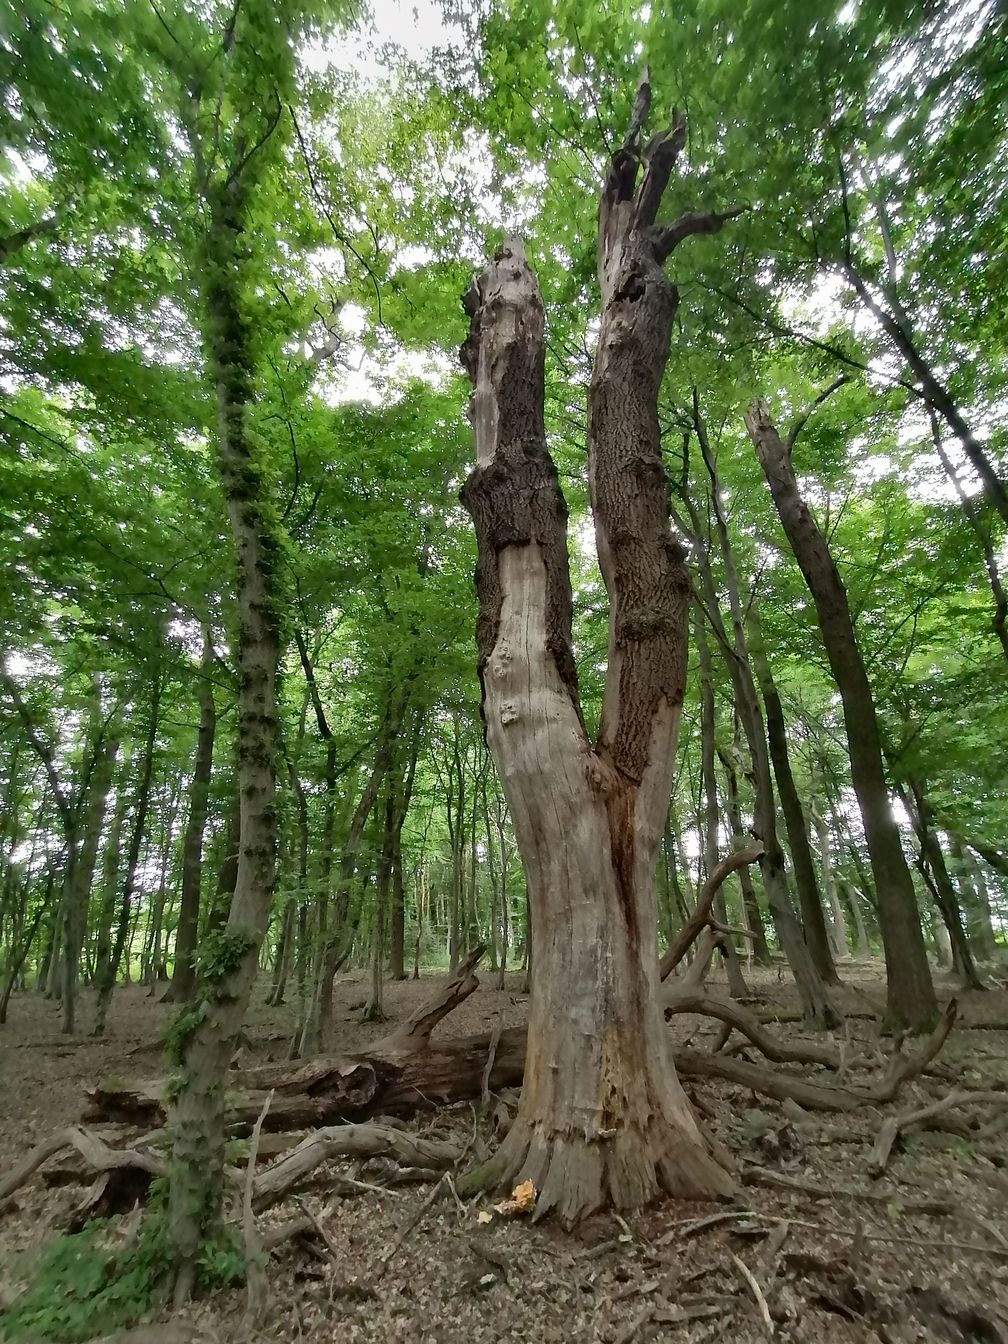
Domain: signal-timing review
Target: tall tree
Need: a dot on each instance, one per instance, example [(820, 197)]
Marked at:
[(910, 993), (602, 1119)]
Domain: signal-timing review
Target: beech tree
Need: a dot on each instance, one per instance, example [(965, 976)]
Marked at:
[(910, 992), (603, 1119)]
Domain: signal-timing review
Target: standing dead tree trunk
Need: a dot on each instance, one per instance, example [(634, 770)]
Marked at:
[(910, 995), (603, 1120)]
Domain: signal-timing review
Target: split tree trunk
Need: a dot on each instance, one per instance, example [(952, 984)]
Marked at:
[(603, 1120), (910, 993)]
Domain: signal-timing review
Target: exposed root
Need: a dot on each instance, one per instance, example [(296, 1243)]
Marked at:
[(574, 1177)]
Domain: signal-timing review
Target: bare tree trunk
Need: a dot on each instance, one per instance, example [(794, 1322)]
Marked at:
[(737, 987), (603, 1120), (911, 997), (184, 974), (795, 821), (107, 972)]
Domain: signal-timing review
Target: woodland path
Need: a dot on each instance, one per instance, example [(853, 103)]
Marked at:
[(842, 1269)]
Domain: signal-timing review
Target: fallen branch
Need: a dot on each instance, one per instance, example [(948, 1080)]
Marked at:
[(324, 1145), (899, 1124), (98, 1155), (700, 917), (684, 1000)]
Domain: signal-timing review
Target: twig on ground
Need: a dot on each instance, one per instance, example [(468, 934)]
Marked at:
[(756, 1290)]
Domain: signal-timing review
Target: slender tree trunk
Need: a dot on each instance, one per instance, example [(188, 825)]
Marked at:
[(936, 395), (78, 895), (974, 901), (737, 987), (106, 977), (838, 926), (184, 973), (795, 822), (207, 1039), (911, 997), (154, 971), (812, 993), (945, 895), (421, 908), (754, 916), (318, 1023), (603, 1119), (374, 1008)]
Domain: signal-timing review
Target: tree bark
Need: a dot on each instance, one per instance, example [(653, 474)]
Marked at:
[(107, 972), (603, 1120), (184, 972), (795, 822), (78, 895), (737, 987), (207, 1038), (754, 916), (816, 1004), (911, 999)]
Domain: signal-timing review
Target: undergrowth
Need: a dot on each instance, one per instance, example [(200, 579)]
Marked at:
[(87, 1283)]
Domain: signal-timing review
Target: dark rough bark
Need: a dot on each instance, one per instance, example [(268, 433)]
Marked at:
[(184, 973), (910, 994), (602, 1121), (795, 822)]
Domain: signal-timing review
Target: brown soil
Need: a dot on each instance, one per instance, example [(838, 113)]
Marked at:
[(837, 1268)]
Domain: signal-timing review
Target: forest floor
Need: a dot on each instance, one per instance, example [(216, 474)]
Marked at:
[(918, 1254)]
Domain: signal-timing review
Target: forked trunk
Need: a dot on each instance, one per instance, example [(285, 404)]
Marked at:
[(603, 1120)]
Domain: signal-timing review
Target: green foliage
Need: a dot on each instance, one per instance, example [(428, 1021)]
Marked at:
[(88, 1283)]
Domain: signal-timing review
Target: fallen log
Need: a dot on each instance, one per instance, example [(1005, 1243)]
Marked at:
[(354, 1088)]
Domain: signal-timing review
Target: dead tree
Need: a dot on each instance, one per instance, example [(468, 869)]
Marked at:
[(603, 1120)]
